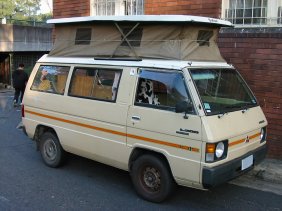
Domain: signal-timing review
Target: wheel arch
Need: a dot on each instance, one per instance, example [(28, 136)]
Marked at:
[(41, 129), (139, 151)]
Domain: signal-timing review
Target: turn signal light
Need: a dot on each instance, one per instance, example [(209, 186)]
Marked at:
[(210, 148)]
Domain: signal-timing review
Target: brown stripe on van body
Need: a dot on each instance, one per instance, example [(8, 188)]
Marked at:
[(233, 143), (116, 132)]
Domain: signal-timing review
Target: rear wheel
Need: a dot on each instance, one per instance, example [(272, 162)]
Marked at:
[(152, 178), (51, 150)]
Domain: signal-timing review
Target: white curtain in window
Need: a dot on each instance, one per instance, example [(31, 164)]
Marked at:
[(118, 7), (134, 7), (105, 7)]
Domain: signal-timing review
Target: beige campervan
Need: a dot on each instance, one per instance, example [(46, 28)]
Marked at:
[(147, 94)]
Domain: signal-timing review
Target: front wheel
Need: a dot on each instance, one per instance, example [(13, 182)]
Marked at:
[(51, 150), (152, 178)]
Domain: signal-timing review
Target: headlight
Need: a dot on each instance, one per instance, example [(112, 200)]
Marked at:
[(216, 151), (262, 134), (219, 150)]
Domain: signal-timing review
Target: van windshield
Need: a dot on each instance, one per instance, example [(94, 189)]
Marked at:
[(222, 90)]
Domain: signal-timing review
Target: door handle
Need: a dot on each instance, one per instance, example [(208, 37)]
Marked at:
[(136, 118)]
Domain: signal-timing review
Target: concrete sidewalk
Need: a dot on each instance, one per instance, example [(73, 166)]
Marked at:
[(267, 176), (5, 87), (269, 170)]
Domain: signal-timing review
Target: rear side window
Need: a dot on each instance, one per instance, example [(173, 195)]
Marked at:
[(51, 79), (95, 83)]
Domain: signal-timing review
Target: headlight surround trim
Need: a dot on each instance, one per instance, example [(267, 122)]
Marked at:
[(219, 152), (263, 135)]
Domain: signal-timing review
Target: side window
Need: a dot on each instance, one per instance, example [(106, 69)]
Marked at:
[(50, 79), (95, 83), (161, 90)]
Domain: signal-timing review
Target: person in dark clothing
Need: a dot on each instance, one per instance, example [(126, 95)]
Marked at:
[(20, 79)]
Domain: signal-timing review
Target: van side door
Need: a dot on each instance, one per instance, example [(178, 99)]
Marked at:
[(96, 114), (153, 124)]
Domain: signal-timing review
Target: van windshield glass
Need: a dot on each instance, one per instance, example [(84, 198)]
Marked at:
[(222, 90)]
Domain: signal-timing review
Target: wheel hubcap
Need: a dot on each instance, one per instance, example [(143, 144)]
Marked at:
[(152, 179), (50, 150)]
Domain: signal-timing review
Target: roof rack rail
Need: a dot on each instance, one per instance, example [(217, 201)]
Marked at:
[(118, 59)]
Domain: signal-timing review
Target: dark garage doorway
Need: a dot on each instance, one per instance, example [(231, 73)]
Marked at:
[(5, 68)]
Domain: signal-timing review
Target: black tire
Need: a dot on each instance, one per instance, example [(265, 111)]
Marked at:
[(51, 150), (152, 178)]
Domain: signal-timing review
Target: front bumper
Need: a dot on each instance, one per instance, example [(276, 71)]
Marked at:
[(220, 174)]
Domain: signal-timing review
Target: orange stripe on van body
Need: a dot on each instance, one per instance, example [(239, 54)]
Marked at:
[(77, 123), (243, 140), (116, 132), (163, 143)]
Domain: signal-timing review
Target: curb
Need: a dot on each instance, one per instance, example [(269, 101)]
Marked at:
[(269, 170)]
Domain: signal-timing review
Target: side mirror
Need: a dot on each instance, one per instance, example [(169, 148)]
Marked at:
[(183, 106)]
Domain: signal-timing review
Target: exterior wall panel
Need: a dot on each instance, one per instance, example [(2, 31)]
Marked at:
[(71, 8), (209, 8)]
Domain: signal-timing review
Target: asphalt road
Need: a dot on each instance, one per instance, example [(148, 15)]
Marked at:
[(27, 184)]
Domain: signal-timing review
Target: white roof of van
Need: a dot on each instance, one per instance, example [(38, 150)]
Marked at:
[(144, 18), (146, 63)]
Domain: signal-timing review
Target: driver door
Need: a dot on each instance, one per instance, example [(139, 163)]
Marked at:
[(153, 123)]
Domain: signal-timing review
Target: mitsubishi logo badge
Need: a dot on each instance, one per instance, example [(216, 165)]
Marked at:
[(247, 140)]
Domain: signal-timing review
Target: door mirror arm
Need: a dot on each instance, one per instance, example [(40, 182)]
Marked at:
[(183, 106), (185, 115)]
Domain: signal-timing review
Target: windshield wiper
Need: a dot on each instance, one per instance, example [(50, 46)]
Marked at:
[(243, 106), (221, 114), (246, 106)]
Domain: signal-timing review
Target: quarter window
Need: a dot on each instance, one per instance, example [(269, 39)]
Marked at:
[(161, 90), (101, 84), (50, 79)]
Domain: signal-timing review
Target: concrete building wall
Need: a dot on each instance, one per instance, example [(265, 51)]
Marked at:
[(15, 38)]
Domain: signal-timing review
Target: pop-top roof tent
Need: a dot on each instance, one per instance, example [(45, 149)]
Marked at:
[(179, 37)]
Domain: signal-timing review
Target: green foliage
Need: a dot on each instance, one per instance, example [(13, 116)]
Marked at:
[(7, 7), (27, 7), (25, 10), (44, 17)]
